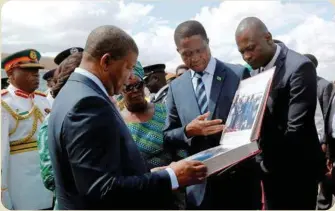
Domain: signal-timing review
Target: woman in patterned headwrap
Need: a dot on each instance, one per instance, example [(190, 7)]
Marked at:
[(145, 121)]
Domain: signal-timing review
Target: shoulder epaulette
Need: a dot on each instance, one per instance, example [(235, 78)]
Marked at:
[(3, 92), (40, 93)]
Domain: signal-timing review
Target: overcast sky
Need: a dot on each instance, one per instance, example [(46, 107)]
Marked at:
[(52, 26)]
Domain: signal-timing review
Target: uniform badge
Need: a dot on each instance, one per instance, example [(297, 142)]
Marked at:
[(33, 55), (74, 50), (47, 110)]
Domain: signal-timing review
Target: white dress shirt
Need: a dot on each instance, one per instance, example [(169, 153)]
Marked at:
[(267, 67), (97, 81), (273, 60)]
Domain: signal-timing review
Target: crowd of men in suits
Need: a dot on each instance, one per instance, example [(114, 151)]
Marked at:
[(96, 164)]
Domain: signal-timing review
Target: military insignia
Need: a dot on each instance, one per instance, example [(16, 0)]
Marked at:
[(23, 113), (47, 110), (33, 55), (40, 93), (74, 50)]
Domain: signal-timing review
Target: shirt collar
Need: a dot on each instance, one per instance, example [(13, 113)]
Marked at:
[(274, 58), (18, 92), (91, 76), (210, 69)]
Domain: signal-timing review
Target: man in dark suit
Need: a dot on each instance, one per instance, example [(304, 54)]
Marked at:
[(291, 158), (324, 87), (324, 91), (96, 163), (329, 187), (198, 104)]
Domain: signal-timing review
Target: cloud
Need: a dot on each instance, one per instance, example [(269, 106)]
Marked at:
[(52, 26)]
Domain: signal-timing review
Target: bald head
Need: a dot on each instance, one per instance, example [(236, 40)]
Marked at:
[(251, 24), (255, 42), (109, 39)]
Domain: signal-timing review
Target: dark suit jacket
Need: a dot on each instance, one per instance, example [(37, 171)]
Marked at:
[(182, 105), (222, 192), (324, 91), (289, 139), (96, 163), (330, 141)]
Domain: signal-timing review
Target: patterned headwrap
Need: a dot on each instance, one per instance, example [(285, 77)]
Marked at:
[(138, 70)]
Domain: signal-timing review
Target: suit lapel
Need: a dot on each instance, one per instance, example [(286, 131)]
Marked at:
[(278, 64), (217, 86), (281, 58)]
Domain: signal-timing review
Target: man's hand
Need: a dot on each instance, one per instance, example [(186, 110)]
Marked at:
[(324, 148), (189, 172), (329, 169), (203, 127)]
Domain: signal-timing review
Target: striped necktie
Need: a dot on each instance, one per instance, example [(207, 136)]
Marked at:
[(200, 93)]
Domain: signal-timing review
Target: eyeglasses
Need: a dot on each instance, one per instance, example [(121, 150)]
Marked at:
[(131, 87)]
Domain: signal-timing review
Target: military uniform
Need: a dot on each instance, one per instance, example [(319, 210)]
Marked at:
[(160, 96), (47, 76), (21, 116), (66, 53)]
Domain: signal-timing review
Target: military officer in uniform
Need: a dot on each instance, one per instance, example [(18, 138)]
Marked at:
[(155, 81), (66, 53), (22, 111), (48, 77)]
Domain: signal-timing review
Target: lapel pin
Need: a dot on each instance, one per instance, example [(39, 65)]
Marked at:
[(218, 78)]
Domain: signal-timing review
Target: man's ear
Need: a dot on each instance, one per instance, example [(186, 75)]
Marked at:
[(268, 37), (105, 61)]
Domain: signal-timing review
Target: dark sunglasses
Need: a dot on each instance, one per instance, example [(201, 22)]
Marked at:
[(131, 87)]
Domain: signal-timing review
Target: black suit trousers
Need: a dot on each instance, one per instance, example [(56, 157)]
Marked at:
[(237, 189), (287, 192)]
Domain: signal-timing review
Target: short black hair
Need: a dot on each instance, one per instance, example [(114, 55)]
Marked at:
[(189, 28), (110, 39), (313, 59)]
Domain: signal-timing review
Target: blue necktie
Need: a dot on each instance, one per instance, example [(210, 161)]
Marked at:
[(196, 193), (200, 93)]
